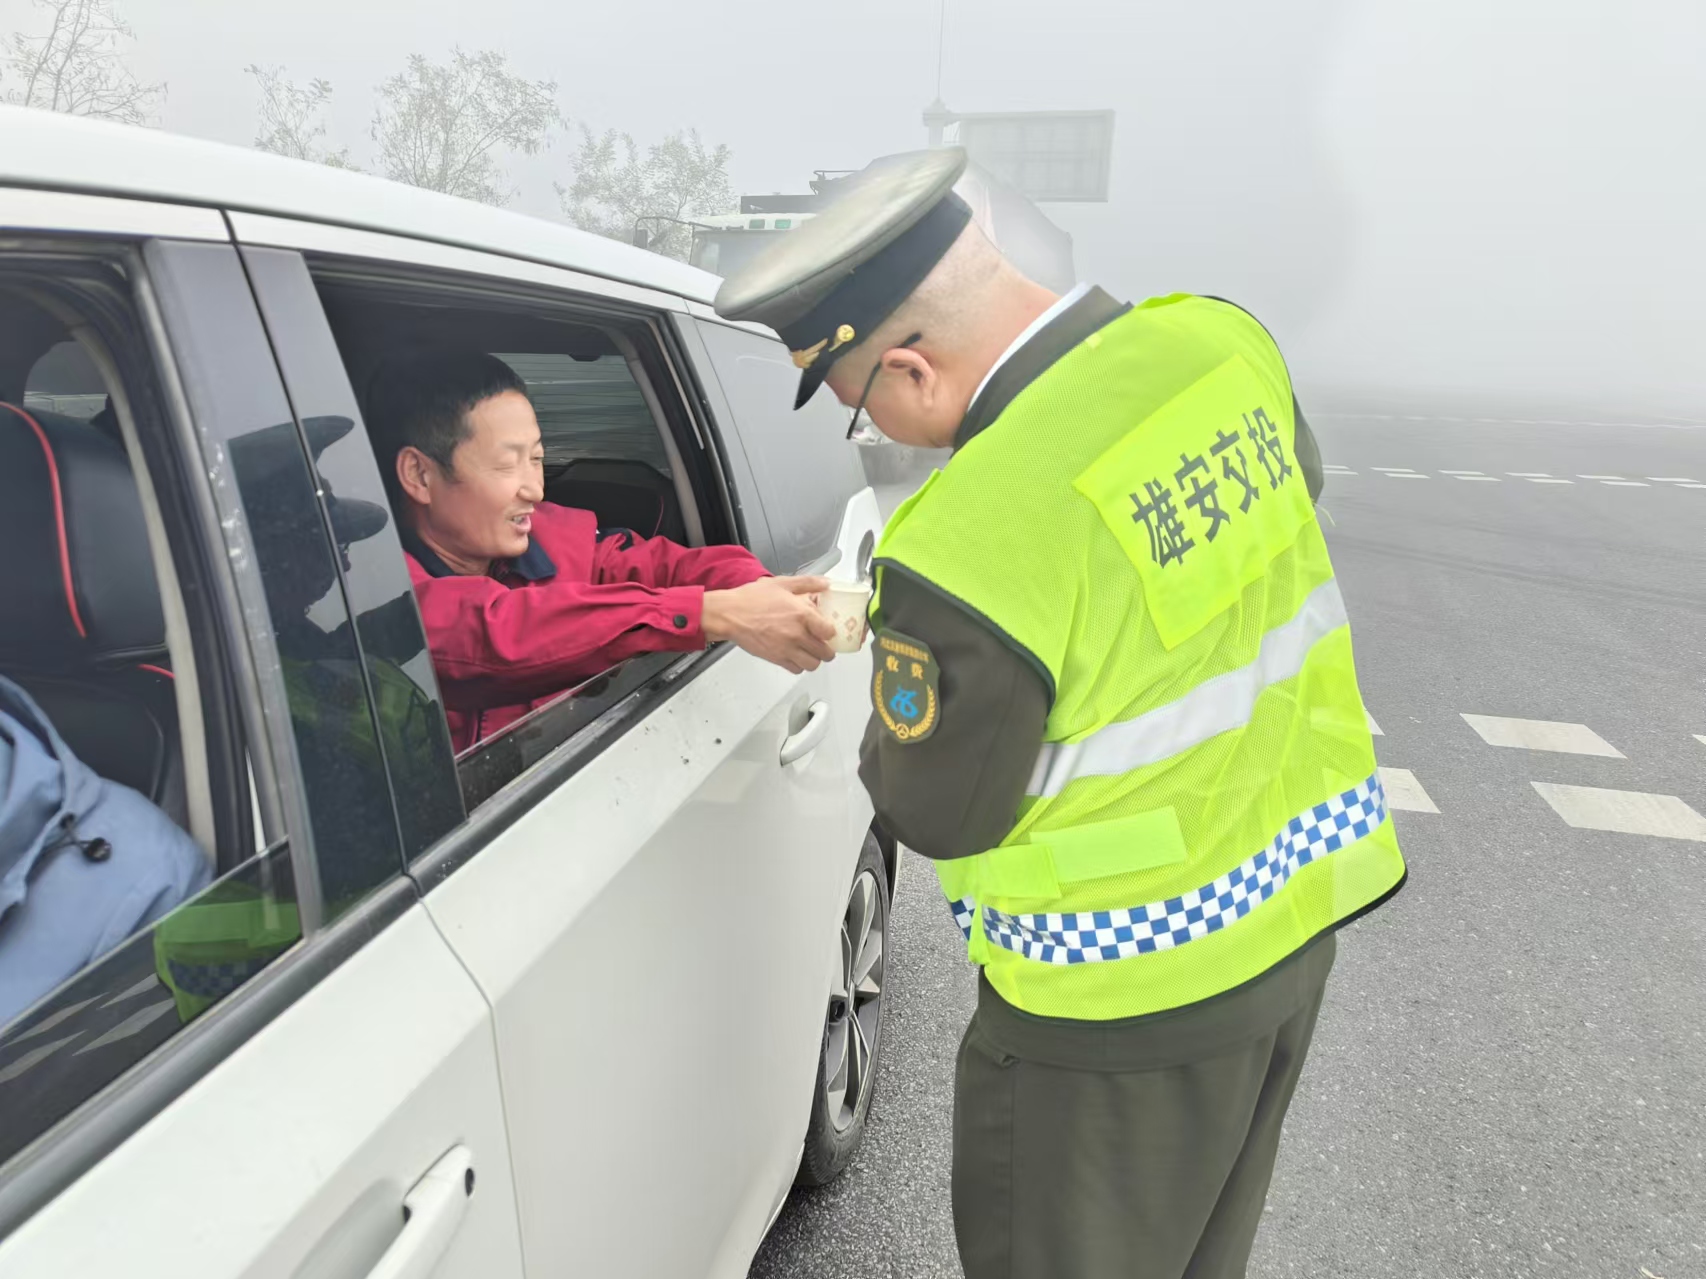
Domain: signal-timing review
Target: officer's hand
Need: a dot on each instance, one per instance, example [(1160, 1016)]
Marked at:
[(773, 618)]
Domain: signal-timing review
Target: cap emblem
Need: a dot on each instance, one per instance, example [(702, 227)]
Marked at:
[(808, 357)]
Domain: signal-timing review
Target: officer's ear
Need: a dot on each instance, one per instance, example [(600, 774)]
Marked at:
[(414, 469), (909, 363)]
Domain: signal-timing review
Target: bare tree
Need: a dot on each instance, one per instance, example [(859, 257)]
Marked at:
[(441, 127), (616, 190), (291, 122), (76, 66)]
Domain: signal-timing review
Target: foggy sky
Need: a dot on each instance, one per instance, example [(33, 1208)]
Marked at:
[(1494, 198)]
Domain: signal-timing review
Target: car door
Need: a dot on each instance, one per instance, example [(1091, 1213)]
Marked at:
[(632, 890), (823, 514), (289, 1074)]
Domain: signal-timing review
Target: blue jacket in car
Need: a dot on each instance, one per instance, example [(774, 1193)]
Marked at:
[(84, 862)]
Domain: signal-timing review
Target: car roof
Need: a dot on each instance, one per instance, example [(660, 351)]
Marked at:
[(68, 153)]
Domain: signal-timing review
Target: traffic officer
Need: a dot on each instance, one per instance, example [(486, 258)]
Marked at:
[(1114, 700)]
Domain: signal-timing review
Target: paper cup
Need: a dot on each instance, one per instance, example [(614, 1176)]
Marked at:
[(844, 604)]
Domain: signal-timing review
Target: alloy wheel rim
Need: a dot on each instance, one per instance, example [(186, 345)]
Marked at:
[(855, 1004)]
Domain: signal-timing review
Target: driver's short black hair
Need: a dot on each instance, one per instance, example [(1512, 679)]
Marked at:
[(422, 400)]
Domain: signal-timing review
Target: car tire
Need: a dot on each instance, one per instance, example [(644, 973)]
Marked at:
[(853, 1025)]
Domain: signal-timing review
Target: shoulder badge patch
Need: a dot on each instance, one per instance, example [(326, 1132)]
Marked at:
[(905, 686)]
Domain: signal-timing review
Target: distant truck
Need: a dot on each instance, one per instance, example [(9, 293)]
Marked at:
[(725, 243)]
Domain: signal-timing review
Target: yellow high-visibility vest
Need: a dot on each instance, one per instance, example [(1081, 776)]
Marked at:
[(1206, 801)]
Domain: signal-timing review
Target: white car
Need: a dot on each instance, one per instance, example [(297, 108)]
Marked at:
[(585, 1000)]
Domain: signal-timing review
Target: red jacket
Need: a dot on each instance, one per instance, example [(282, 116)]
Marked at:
[(576, 603)]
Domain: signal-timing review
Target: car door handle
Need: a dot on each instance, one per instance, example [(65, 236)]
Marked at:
[(432, 1211), (807, 740)]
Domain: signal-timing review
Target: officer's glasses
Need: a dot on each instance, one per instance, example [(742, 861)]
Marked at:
[(861, 430)]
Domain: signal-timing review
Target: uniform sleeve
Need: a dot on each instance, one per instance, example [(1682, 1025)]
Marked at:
[(492, 646), (657, 561), (957, 792), (1307, 451)]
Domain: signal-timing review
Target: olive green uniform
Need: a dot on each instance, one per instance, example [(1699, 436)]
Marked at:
[(1045, 1107)]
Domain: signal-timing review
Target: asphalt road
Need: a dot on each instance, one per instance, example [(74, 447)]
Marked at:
[(1509, 1076)]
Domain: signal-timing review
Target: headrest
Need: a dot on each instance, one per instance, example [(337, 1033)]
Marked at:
[(77, 575)]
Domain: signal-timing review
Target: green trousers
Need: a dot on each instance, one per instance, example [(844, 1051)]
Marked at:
[(1137, 1149)]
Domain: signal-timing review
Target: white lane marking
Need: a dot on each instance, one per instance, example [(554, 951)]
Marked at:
[(1404, 792), (1599, 477), (1406, 475), (1546, 479), (1394, 469), (1541, 421), (149, 982), (1672, 479), (1374, 729), (1531, 475), (1484, 479), (133, 1024), (50, 1021), (1626, 484), (1624, 811), (1541, 735), (33, 1057), (1691, 486), (1445, 472), (1701, 738)]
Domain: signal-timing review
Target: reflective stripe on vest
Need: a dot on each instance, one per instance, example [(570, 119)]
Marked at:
[(1213, 707), (1090, 937)]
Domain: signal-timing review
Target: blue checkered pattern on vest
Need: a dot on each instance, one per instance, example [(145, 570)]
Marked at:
[(214, 981), (1090, 937)]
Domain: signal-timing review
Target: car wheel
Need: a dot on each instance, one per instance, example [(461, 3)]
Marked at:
[(853, 1026)]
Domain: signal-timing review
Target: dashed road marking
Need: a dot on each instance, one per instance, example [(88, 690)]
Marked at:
[(51, 1020), (131, 1025), (1533, 477), (1701, 738), (1626, 812), (149, 982), (34, 1057), (1404, 793), (1374, 729), (1541, 735)]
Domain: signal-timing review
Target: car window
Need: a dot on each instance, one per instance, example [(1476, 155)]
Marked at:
[(588, 408), (805, 466), (118, 926), (272, 500), (618, 444), (402, 690)]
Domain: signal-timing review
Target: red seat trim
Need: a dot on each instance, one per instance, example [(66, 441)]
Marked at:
[(58, 517)]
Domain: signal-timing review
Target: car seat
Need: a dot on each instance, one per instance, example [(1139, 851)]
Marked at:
[(82, 628), (623, 493)]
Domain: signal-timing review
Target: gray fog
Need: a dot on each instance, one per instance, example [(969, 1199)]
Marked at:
[(1498, 201)]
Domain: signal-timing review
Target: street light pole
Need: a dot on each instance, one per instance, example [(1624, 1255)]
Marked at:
[(936, 115)]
